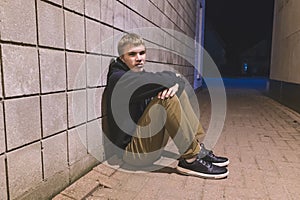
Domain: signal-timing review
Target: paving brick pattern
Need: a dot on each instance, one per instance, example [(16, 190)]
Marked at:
[(261, 137)]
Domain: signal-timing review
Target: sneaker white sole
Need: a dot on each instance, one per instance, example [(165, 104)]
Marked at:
[(202, 175), (223, 164)]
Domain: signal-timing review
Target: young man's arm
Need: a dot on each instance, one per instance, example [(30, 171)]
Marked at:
[(169, 92), (147, 84)]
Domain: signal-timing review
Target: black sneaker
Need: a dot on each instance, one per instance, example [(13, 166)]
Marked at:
[(201, 168), (209, 156)]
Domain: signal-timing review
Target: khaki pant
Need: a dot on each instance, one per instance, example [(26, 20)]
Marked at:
[(172, 117)]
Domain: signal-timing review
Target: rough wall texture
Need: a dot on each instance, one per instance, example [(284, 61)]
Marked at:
[(285, 64), (54, 59)]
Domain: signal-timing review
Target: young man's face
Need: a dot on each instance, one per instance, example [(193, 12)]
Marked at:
[(134, 57)]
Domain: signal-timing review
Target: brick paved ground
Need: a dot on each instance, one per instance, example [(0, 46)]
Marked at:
[(261, 137)]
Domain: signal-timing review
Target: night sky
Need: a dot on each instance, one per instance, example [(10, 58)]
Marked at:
[(240, 23)]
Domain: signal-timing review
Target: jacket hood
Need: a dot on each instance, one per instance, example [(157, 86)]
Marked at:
[(116, 64)]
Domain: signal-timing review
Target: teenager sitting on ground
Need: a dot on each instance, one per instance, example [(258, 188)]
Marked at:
[(138, 124)]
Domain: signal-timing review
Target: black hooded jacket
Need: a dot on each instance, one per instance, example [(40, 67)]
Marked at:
[(127, 95)]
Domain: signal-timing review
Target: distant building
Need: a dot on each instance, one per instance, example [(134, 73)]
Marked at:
[(256, 60), (215, 46)]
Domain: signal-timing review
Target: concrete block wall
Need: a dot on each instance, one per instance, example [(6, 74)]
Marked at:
[(286, 44), (54, 58), (285, 63)]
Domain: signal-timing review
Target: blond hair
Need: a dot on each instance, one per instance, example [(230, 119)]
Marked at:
[(129, 39)]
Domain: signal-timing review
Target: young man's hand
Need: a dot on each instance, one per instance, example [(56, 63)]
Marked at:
[(167, 93)]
